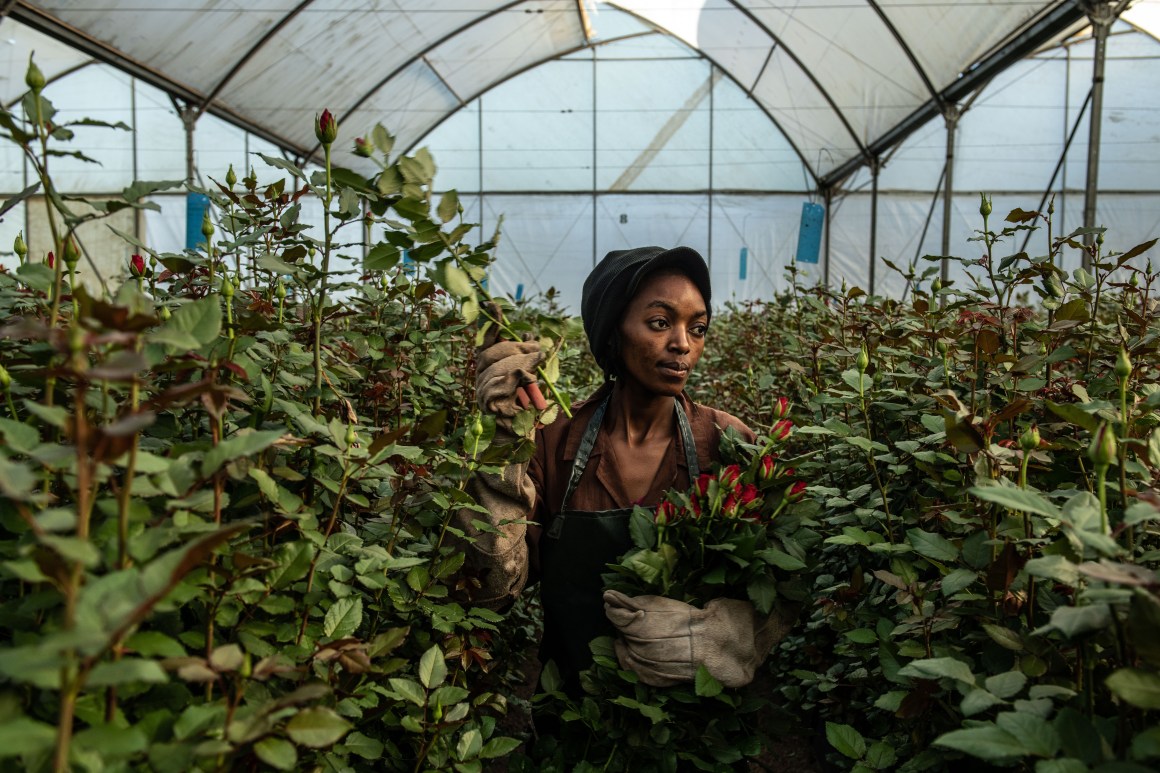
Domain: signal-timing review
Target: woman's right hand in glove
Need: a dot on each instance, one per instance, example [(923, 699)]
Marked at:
[(505, 381)]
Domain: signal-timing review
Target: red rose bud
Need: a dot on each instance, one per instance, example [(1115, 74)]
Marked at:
[(795, 491), (729, 507), (781, 408), (703, 483), (666, 511), (363, 148), (786, 473), (51, 260), (137, 265), (326, 128), (749, 495), (729, 476), (766, 469), (782, 429)]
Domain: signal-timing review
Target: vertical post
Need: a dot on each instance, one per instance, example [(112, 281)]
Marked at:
[(1101, 16), (951, 117), (828, 193), (712, 85), (189, 121), (137, 213), (875, 165), (595, 246), (479, 146)]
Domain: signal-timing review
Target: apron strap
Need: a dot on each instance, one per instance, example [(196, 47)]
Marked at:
[(593, 429)]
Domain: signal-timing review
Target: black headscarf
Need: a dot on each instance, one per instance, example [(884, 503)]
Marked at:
[(614, 282)]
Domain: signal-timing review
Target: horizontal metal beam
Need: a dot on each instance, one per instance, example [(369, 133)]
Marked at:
[(1034, 35)]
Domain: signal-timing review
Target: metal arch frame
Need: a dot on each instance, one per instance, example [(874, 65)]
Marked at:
[(777, 43), (747, 90), (44, 22), (906, 49), (1050, 23), (657, 31)]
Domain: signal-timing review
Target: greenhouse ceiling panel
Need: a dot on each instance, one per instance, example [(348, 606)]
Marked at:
[(843, 80)]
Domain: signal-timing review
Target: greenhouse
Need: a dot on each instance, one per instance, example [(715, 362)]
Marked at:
[(597, 126), (451, 386)]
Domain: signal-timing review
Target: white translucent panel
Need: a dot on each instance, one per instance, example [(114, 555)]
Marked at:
[(945, 36), (749, 153), (13, 175), (102, 94), (160, 135), (759, 233), (607, 22), (916, 165), (17, 42), (1145, 15), (626, 221), (652, 125), (165, 227), (656, 45), (217, 145), (497, 46), (1013, 134), (455, 146), (195, 42), (853, 57), (414, 101), (849, 242), (804, 115), (537, 130), (546, 242)]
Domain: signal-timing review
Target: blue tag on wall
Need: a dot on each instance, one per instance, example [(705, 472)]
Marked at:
[(744, 262), (195, 207), (810, 232)]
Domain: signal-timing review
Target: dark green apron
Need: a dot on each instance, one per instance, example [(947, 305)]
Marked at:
[(575, 551)]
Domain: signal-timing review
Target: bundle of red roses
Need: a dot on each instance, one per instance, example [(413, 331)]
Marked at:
[(727, 536)]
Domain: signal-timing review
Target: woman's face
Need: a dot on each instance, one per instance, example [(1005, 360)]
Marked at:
[(662, 333)]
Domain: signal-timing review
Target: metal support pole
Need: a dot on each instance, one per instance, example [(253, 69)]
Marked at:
[(951, 117), (188, 115), (875, 166), (1101, 15)]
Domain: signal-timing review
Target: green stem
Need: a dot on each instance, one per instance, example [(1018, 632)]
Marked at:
[(321, 302), (1102, 493)]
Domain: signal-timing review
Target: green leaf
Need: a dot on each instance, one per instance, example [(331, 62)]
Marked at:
[(499, 747), (705, 685), (1073, 413), (448, 206), (1073, 621), (1023, 500), (958, 580), (762, 592), (316, 727), (986, 742), (977, 701), (432, 668), (247, 444), (192, 326), (781, 560), (23, 735), (1136, 686), (282, 163), (409, 690), (935, 668), (470, 743), (642, 528), (278, 753), (861, 636), (932, 545), (846, 740), (364, 746), (343, 618), (382, 257), (37, 276), (1004, 637), (111, 741), (1062, 765), (1035, 733), (127, 670), (1007, 684)]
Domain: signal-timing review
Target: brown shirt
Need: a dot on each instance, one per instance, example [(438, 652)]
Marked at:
[(601, 487)]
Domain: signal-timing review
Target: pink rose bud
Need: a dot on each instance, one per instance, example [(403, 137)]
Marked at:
[(781, 408), (795, 491), (363, 148), (326, 128), (137, 265)]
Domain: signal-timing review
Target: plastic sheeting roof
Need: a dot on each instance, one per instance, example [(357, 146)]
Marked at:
[(844, 80)]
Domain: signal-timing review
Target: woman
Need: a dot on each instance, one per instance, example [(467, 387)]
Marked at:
[(646, 313)]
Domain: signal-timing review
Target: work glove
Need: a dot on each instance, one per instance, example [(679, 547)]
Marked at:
[(664, 641), (506, 377)]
